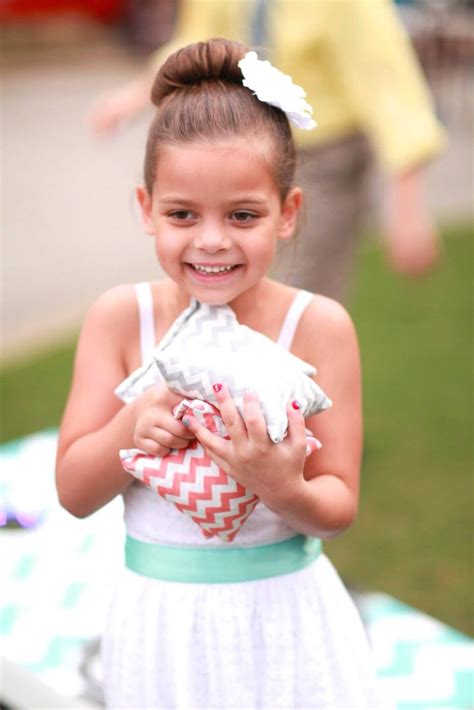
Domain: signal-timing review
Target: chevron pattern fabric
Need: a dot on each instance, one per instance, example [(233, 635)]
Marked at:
[(190, 480), (207, 344)]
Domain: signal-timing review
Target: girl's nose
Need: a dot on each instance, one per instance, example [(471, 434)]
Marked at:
[(212, 238)]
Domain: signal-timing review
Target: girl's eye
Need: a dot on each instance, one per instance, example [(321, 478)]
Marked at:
[(244, 216), (182, 215)]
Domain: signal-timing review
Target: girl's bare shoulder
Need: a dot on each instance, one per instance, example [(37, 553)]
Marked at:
[(324, 327), (109, 326), (115, 309), (115, 316), (328, 313)]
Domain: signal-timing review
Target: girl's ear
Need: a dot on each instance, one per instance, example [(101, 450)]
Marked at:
[(289, 213), (145, 202)]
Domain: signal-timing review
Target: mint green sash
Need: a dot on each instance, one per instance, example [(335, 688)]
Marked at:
[(214, 565)]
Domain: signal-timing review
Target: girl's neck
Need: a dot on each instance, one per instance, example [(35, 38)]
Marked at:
[(248, 303), (244, 306)]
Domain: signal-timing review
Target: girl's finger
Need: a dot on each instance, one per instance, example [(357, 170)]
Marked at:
[(215, 445), (149, 446), (253, 418), (166, 438), (176, 428), (229, 413), (296, 424), (224, 465)]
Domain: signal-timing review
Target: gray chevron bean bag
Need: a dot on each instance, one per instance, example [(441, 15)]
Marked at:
[(207, 345)]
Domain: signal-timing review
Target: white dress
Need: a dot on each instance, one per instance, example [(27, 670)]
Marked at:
[(290, 641)]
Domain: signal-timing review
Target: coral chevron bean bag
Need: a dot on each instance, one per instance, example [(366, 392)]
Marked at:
[(206, 344), (193, 482)]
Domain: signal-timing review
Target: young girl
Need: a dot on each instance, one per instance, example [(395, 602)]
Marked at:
[(217, 197)]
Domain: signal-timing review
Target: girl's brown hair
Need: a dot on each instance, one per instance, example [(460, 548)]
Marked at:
[(199, 96)]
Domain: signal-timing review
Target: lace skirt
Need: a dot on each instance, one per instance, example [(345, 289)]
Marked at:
[(290, 641)]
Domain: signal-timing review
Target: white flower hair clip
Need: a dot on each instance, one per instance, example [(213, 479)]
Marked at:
[(273, 87)]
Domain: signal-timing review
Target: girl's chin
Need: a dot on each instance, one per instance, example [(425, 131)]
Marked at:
[(213, 301)]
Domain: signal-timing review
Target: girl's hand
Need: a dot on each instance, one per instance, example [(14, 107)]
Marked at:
[(271, 471), (156, 430)]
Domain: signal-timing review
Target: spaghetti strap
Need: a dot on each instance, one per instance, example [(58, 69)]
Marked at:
[(146, 320), (295, 311)]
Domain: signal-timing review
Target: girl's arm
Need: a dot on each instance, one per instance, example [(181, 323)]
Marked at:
[(328, 496), (317, 496), (96, 424)]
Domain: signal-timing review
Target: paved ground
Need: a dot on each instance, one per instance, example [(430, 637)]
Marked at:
[(69, 226)]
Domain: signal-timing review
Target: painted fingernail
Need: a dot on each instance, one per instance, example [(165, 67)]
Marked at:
[(217, 387), (186, 421), (295, 404)]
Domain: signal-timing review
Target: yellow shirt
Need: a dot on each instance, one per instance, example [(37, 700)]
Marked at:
[(352, 57)]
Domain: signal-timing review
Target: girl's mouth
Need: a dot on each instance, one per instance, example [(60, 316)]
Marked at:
[(212, 271)]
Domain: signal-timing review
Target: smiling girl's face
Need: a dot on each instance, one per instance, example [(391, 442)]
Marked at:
[(216, 215)]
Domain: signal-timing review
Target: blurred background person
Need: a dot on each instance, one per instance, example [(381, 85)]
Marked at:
[(370, 101)]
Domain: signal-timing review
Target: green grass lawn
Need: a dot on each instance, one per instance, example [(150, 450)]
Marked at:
[(412, 536)]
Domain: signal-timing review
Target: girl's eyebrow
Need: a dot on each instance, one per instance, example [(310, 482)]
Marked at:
[(247, 199), (172, 198), (250, 200)]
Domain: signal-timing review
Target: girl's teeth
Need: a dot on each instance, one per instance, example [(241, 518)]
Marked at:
[(212, 269)]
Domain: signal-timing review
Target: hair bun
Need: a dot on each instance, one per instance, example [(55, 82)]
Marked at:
[(202, 61)]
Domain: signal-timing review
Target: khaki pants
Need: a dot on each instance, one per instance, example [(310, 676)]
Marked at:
[(335, 179)]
